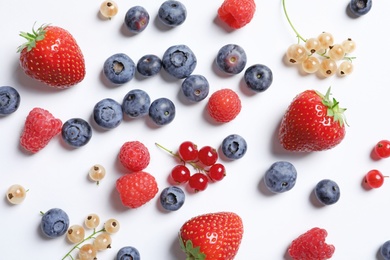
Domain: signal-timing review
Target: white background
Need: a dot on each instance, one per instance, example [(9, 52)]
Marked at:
[(57, 175)]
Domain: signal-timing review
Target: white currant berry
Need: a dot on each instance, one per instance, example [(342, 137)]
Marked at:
[(328, 67), (102, 241), (108, 9), (111, 226), (336, 52), (345, 68), (326, 39), (349, 45), (312, 45), (87, 252), (97, 173), (16, 194), (296, 53), (75, 234), (92, 221), (311, 64)]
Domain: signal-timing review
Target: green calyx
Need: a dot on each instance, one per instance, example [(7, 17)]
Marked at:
[(192, 253), (334, 110), (32, 38)]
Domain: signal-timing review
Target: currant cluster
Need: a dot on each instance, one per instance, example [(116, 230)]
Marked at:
[(203, 160), (321, 54), (375, 178), (100, 238)]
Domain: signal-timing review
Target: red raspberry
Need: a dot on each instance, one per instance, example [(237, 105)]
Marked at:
[(237, 13), (224, 105), (134, 156), (136, 188), (311, 246), (39, 128)]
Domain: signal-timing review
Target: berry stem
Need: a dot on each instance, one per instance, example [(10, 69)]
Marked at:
[(289, 21), (82, 241)]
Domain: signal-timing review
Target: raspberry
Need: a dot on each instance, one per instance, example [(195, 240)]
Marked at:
[(237, 13), (311, 246), (224, 105), (134, 156), (136, 188), (39, 128)]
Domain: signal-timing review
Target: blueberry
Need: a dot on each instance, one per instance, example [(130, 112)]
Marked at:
[(136, 103), (119, 68), (137, 19), (128, 253), (231, 59), (360, 7), (149, 65), (280, 177), (172, 13), (9, 100), (385, 250), (258, 77), (54, 223), (179, 61), (195, 88), (108, 113), (76, 132), (162, 111), (172, 198), (234, 146), (327, 192)]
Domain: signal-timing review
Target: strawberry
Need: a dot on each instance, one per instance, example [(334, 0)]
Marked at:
[(51, 55), (212, 236), (312, 122)]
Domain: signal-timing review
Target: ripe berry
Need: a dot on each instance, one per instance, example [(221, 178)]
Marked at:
[(231, 59), (16, 194), (76, 132), (217, 172), (137, 19), (102, 241), (258, 77), (97, 173), (108, 9), (136, 103), (149, 65), (188, 151), (374, 179), (198, 181), (280, 177), (112, 226), (224, 105), (75, 234), (87, 251), (92, 221), (119, 68), (382, 149), (162, 111), (360, 7), (172, 13), (195, 88), (9, 100), (207, 155), (108, 113), (237, 13), (54, 223), (172, 198), (128, 252), (179, 61), (385, 250), (327, 192), (234, 146), (180, 174), (134, 156)]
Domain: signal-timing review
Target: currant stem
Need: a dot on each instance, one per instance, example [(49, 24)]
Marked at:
[(82, 241), (289, 21)]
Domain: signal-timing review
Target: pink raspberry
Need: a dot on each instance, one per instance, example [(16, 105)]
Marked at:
[(311, 246), (39, 128), (134, 156), (237, 13), (224, 105)]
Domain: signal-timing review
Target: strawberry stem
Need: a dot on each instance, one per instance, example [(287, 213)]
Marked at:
[(32, 38), (333, 108)]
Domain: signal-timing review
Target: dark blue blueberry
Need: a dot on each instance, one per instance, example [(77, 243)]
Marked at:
[(179, 61), (149, 65), (172, 198), (76, 132), (9, 100), (128, 253), (327, 192), (195, 88), (172, 13), (119, 68), (360, 7), (136, 103), (234, 146), (54, 223), (162, 111), (385, 250), (231, 59), (280, 177), (108, 113), (258, 77), (137, 19)]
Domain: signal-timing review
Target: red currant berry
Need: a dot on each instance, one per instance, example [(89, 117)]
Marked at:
[(208, 155), (180, 174), (188, 151), (198, 181), (374, 179), (382, 149), (217, 172)]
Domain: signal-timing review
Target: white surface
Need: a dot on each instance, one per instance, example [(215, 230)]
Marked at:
[(57, 175)]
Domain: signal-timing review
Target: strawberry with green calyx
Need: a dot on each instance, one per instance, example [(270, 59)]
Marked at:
[(212, 236), (51, 55), (312, 122)]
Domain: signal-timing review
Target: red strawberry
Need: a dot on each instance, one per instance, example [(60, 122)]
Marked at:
[(311, 246), (134, 156), (52, 56), (237, 13), (224, 105), (212, 236), (312, 122), (136, 188), (40, 127)]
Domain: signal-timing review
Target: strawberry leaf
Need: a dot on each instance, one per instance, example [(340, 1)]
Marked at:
[(333, 109), (32, 38), (193, 253)]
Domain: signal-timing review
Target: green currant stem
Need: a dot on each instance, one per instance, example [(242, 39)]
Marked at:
[(289, 21), (82, 241)]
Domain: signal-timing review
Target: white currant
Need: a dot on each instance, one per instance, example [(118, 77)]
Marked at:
[(75, 234), (108, 9), (96, 173), (349, 45), (102, 241), (92, 221), (326, 40), (296, 53), (16, 194), (111, 226), (345, 68), (311, 64), (328, 67)]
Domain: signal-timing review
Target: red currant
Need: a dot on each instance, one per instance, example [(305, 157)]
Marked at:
[(207, 155), (217, 172), (180, 173), (382, 149), (188, 151), (198, 181), (374, 179)]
